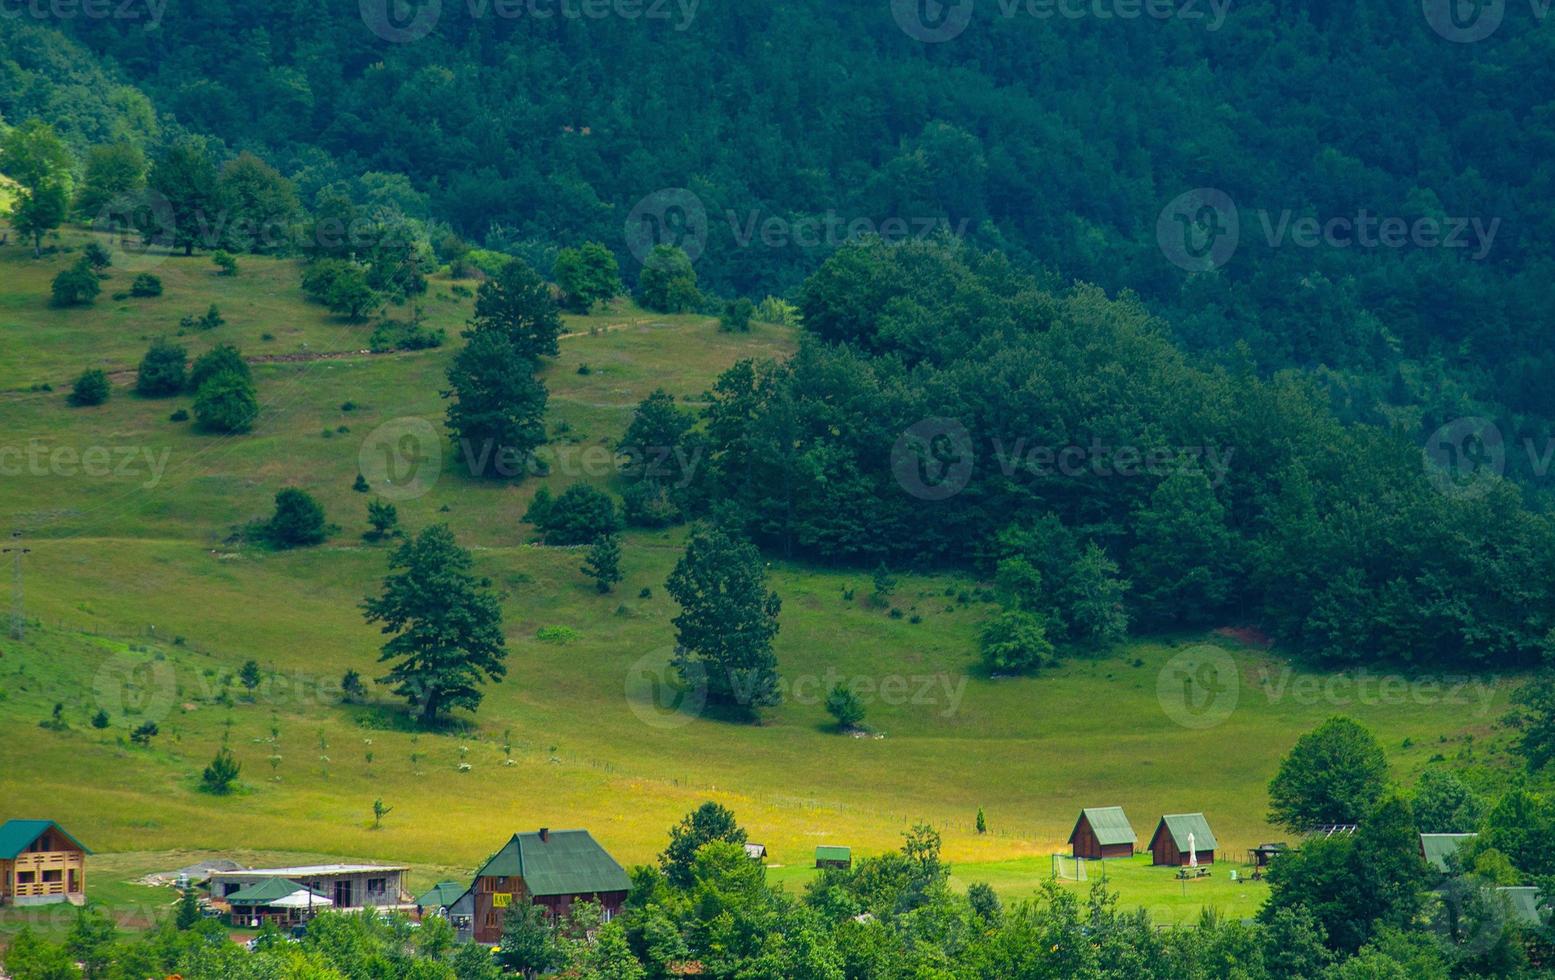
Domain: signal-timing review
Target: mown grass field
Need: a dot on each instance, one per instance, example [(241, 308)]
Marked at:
[(144, 604)]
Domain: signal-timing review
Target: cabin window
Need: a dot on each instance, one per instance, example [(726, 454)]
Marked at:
[(491, 920), (26, 877), (53, 877), (377, 886)]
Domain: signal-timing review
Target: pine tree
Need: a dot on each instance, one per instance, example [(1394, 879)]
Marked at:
[(603, 563)]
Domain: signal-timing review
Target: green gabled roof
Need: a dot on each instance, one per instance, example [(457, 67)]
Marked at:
[(1525, 904), (568, 862), (264, 892), (1180, 825), (17, 835), (833, 852), (1108, 823), (442, 894), (1437, 848)]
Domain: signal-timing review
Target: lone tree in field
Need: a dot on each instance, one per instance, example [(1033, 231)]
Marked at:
[(517, 304), (586, 275), (705, 824), (603, 563), (845, 706), (163, 371), (298, 520), (498, 410), (221, 774), (446, 626), (727, 621), (1335, 773)]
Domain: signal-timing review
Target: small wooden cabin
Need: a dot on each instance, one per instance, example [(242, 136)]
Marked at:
[(833, 856), (551, 869), (1103, 832), (756, 852), (40, 864), (1181, 839)]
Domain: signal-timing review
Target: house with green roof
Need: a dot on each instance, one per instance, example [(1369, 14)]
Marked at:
[(1183, 840), (440, 896), (276, 900), (41, 864), (549, 868), (833, 856), (1103, 832), (1435, 849)]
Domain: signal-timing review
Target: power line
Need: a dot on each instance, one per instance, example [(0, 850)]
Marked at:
[(18, 608)]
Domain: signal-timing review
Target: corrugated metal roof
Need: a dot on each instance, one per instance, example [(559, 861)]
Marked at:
[(267, 891), (1525, 904), (567, 862), (1437, 848), (17, 835), (1180, 825), (1108, 823), (833, 852)]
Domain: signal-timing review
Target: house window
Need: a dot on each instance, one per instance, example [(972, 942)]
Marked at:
[(53, 877), (491, 920), (26, 877), (377, 886)]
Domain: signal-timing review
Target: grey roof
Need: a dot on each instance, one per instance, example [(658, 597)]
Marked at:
[(1108, 823), (1437, 848), (1180, 825), (567, 862)]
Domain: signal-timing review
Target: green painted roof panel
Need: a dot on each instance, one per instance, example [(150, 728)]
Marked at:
[(833, 852), (1437, 848), (1180, 825), (568, 862), (442, 894), (17, 835), (1109, 824), (264, 892)]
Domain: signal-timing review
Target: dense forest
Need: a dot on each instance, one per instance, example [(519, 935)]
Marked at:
[(1057, 140)]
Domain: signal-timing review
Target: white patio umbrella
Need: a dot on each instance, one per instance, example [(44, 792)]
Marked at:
[(1193, 853)]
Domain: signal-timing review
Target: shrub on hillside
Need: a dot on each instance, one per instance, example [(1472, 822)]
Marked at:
[(668, 283), (581, 515), (146, 285), (226, 403), (298, 520), (91, 388), (163, 371), (76, 286), (222, 359)]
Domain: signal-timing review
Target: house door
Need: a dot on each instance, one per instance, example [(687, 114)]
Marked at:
[(75, 882), (343, 895)]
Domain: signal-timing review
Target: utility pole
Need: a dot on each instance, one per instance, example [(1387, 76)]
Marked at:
[(18, 614)]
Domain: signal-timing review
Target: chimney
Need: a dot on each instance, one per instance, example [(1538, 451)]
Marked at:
[(545, 835)]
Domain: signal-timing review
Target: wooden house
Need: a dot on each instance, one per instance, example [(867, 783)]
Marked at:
[(551, 869), (832, 856), (1183, 839), (1103, 832), (40, 864), (756, 852)]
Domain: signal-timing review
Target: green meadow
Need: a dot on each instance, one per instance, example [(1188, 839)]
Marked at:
[(143, 600)]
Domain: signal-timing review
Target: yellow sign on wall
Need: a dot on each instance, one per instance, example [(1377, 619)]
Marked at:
[(501, 900)]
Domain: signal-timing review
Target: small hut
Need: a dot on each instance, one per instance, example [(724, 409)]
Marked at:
[(1435, 849), (1103, 832), (1263, 854), (1183, 840), (832, 856), (756, 852)]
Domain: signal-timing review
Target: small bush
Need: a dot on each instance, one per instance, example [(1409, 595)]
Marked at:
[(182, 415), (163, 371), (76, 286), (146, 285), (226, 404), (225, 264), (91, 388), (298, 520)]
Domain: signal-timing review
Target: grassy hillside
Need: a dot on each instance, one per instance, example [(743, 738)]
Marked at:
[(144, 604)]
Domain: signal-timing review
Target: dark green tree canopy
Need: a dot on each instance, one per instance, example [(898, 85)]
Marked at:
[(1335, 774), (727, 620)]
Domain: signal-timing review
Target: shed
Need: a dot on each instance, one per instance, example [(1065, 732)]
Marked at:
[(1435, 849), (1260, 856), (833, 856), (756, 852), (1170, 844), (1524, 901), (1103, 832), (440, 896)]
